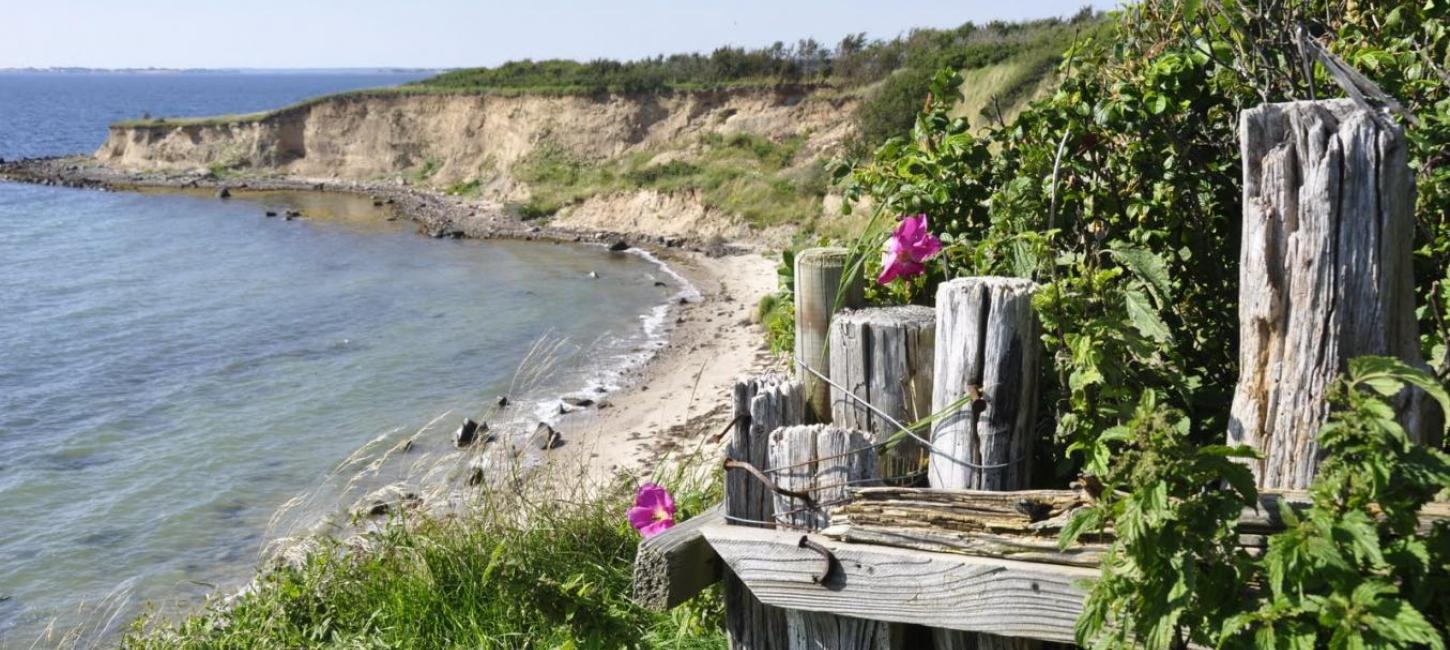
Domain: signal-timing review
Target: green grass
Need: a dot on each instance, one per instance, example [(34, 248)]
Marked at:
[(759, 179), (521, 570)]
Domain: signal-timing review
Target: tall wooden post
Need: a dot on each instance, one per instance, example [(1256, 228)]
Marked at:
[(884, 358), (986, 355), (761, 405), (822, 288), (825, 461), (1325, 272)]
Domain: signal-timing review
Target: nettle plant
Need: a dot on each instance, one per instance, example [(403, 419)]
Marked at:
[(1351, 571)]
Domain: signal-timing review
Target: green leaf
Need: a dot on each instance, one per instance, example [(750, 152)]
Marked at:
[(1387, 375), (1145, 319), (1083, 520), (1146, 265)]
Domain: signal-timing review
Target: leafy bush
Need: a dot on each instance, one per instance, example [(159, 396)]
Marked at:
[(1121, 195)]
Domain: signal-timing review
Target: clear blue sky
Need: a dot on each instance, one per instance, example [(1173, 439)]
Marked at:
[(449, 33)]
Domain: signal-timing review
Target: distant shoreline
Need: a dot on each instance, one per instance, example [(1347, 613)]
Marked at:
[(438, 215)]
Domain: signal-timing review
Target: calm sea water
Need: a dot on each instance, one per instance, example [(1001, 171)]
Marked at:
[(174, 368)]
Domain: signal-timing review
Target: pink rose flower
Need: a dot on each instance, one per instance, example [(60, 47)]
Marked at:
[(653, 512), (908, 249)]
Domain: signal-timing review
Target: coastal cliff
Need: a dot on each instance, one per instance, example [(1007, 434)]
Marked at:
[(490, 146)]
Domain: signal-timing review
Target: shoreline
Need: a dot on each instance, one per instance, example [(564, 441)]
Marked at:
[(673, 399), (438, 215)]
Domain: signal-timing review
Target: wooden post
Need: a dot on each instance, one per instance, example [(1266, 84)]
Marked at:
[(986, 353), (884, 357), (820, 293), (761, 404), (819, 461), (1325, 273)]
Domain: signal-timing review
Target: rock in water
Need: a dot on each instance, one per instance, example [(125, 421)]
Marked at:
[(503, 401), (619, 245), (271, 213), (545, 437), (578, 402), (466, 433), (224, 193)]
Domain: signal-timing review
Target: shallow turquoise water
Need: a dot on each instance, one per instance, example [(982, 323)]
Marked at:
[(174, 368)]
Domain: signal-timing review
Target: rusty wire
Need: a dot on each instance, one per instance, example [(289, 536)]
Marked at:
[(899, 427)]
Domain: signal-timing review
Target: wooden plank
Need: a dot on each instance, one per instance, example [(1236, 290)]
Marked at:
[(1325, 274), (824, 461), (822, 288), (884, 357), (1023, 524), (977, 544), (958, 592), (672, 567)]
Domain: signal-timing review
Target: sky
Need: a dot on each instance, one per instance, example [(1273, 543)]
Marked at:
[(450, 33)]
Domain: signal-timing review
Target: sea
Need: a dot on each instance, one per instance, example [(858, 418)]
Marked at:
[(174, 368)]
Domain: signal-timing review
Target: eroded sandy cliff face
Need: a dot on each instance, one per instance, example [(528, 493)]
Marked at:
[(461, 138)]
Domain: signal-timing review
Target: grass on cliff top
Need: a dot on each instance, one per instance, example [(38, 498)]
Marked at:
[(742, 174), (525, 569)]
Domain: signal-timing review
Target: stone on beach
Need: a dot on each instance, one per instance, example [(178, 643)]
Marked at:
[(545, 437), (619, 245), (468, 432), (386, 500), (224, 193)]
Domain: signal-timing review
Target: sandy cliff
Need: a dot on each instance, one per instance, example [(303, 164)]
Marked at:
[(469, 137)]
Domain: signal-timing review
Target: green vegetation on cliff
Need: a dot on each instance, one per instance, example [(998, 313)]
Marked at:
[(756, 178), (895, 74)]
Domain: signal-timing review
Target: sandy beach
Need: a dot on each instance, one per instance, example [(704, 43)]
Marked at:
[(680, 399)]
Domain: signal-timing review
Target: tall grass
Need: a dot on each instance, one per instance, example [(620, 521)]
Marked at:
[(531, 564)]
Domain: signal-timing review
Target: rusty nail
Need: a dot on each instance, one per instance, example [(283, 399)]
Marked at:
[(825, 555)]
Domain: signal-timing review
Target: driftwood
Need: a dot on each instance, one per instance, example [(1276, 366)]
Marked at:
[(823, 461), (672, 567), (986, 354), (1325, 273), (940, 590), (1023, 525), (761, 404), (884, 358), (822, 288)]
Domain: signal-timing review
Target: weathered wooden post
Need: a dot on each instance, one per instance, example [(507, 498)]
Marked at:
[(824, 461), (884, 358), (986, 356), (761, 404), (822, 288), (1325, 272)]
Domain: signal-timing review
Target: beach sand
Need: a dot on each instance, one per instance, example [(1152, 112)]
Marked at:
[(680, 399)]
